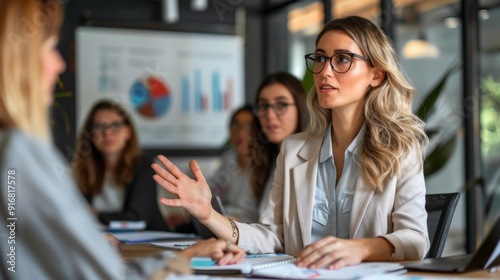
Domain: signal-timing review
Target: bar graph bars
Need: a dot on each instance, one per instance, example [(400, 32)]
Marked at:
[(198, 96)]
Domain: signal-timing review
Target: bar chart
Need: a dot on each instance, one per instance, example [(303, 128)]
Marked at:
[(206, 97)]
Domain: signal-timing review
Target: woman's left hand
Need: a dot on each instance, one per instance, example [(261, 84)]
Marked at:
[(332, 253)]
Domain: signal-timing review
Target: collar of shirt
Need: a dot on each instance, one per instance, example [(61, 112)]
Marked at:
[(354, 148)]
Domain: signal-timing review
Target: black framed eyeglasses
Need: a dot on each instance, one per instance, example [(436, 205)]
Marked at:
[(340, 62), (113, 126), (279, 108)]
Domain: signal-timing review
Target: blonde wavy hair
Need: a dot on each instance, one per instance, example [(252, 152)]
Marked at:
[(24, 26), (392, 130)]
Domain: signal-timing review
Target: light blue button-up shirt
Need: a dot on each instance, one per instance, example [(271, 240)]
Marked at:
[(332, 202)]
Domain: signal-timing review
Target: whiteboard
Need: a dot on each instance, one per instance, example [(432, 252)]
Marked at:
[(180, 88)]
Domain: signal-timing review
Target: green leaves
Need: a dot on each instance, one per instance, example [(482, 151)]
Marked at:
[(308, 81), (440, 155), (427, 105), (57, 95), (437, 157)]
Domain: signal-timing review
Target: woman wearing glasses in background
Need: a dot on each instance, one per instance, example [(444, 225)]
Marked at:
[(111, 171), (280, 107), (281, 111), (349, 189)]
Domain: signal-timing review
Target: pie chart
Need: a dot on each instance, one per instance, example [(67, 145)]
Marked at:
[(150, 97)]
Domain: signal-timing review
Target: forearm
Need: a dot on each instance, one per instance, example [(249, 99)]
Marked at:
[(221, 226), (375, 249)]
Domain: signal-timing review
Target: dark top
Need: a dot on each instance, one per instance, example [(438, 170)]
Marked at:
[(141, 202)]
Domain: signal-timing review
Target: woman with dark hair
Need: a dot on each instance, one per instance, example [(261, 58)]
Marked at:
[(351, 187), (280, 106), (111, 171)]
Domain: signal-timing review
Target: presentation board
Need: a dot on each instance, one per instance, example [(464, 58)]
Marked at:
[(179, 87)]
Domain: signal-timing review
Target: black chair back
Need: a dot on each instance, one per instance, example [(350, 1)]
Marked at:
[(440, 209)]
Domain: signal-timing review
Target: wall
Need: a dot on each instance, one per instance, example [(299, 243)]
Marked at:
[(147, 12)]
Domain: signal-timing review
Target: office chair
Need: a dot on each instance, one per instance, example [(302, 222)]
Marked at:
[(440, 209)]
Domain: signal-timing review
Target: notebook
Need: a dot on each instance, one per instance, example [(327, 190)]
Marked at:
[(487, 256), (202, 230), (380, 270), (282, 266), (250, 264)]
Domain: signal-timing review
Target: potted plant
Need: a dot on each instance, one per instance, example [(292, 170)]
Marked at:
[(58, 94)]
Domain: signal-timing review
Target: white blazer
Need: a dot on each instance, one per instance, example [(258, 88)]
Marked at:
[(397, 214)]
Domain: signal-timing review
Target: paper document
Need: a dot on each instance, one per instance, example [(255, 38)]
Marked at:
[(175, 245), (360, 271), (126, 225), (150, 236)]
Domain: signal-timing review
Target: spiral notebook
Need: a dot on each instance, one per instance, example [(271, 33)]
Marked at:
[(354, 272), (249, 265), (280, 266)]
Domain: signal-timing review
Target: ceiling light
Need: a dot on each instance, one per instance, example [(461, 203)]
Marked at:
[(170, 11), (484, 14), (199, 5), (451, 22), (418, 48)]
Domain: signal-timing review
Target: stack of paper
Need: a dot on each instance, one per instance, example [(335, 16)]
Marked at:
[(126, 225), (174, 245), (369, 269)]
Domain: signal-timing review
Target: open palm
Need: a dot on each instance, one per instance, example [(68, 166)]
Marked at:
[(194, 195)]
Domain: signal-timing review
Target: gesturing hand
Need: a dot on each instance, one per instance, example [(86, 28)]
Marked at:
[(194, 195)]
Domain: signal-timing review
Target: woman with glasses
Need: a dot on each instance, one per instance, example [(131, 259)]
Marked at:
[(111, 171), (349, 189), (281, 111)]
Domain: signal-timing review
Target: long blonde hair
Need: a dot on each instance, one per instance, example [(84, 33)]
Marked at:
[(391, 128), (24, 26)]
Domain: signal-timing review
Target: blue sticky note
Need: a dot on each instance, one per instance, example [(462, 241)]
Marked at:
[(202, 262)]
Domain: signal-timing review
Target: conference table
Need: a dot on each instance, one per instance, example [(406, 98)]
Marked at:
[(133, 251)]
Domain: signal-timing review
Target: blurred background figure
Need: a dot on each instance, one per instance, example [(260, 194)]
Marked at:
[(233, 175), (281, 111), (111, 170)]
